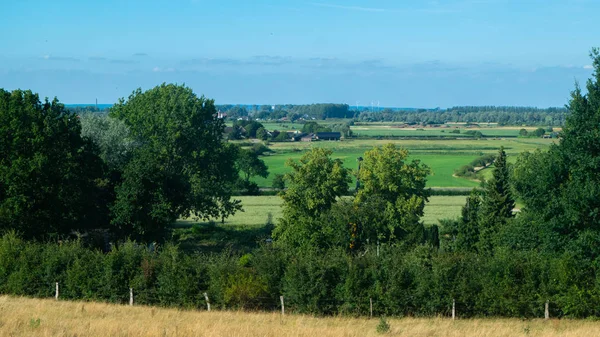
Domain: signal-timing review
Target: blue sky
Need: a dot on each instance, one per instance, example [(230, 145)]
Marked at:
[(400, 53)]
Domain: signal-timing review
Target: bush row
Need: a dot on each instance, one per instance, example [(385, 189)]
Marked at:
[(420, 282)]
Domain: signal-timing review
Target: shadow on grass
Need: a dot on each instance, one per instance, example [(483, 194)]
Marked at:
[(211, 237)]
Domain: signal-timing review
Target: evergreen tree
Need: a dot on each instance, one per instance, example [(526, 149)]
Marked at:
[(497, 204), (467, 234)]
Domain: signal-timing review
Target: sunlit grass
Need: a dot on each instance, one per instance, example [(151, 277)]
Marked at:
[(46, 317)]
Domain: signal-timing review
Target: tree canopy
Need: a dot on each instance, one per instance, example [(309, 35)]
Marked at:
[(48, 172), (181, 167)]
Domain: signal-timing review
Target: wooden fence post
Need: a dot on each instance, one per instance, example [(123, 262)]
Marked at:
[(56, 293), (130, 296), (282, 306), (207, 301), (453, 309), (547, 310), (371, 304)]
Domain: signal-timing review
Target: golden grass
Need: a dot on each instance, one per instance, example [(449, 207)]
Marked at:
[(19, 317)]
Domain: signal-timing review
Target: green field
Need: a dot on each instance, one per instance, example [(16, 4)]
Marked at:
[(257, 210), (443, 156)]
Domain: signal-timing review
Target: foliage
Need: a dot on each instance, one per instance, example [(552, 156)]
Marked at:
[(561, 188), (313, 127), (314, 184), (181, 167), (250, 165), (467, 235), (504, 115), (383, 326), (498, 202), (279, 182), (392, 195), (49, 174)]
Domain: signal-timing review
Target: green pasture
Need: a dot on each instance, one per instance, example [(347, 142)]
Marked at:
[(442, 156), (258, 208), (245, 230)]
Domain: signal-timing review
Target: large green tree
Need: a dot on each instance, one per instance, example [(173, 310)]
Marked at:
[(314, 185), (561, 187), (392, 195), (48, 172), (181, 166)]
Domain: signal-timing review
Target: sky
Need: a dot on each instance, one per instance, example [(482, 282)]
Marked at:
[(395, 53)]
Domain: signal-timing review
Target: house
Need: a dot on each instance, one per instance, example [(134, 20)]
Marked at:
[(308, 138), (328, 135)]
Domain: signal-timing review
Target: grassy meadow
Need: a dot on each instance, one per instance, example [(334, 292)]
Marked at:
[(443, 156), (47, 317), (258, 209), (245, 230)]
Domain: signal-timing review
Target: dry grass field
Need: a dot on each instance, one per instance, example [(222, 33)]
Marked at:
[(35, 317)]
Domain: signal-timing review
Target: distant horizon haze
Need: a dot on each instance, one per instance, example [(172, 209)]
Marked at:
[(411, 53)]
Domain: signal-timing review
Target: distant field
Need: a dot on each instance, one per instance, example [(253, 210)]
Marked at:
[(45, 317), (257, 210), (442, 156), (389, 130)]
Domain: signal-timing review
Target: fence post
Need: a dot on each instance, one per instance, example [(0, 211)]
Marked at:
[(282, 306), (207, 301), (371, 305), (453, 309), (130, 296), (56, 293), (547, 311)]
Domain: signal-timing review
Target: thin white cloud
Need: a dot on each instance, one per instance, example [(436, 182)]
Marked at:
[(163, 70), (351, 8), (588, 66), (59, 58)]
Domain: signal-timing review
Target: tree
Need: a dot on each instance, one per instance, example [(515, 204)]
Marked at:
[(315, 183), (181, 168), (539, 132), (48, 172), (261, 133), (561, 187), (523, 133), (112, 137), (312, 127), (392, 195), (279, 182), (498, 203), (467, 234), (249, 163), (281, 137)]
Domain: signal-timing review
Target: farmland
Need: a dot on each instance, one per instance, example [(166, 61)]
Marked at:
[(258, 210), (443, 156), (44, 317)]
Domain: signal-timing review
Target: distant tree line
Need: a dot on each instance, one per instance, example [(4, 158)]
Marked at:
[(290, 112), (472, 114)]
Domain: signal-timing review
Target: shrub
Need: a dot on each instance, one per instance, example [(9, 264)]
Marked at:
[(383, 326)]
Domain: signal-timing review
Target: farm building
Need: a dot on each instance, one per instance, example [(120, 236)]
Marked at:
[(328, 135)]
